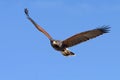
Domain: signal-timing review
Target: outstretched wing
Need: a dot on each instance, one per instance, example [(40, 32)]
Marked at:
[(84, 36), (37, 26)]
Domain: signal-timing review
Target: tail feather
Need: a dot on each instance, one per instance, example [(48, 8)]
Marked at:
[(66, 52)]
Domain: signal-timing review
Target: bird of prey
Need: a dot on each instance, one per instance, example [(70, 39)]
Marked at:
[(63, 45)]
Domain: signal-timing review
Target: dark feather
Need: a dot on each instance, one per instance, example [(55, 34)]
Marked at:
[(36, 25), (84, 36)]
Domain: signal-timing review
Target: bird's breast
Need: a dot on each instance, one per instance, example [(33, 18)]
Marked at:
[(57, 47)]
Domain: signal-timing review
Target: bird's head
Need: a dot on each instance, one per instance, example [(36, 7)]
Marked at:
[(57, 44)]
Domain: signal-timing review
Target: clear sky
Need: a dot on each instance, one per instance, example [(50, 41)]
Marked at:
[(25, 53)]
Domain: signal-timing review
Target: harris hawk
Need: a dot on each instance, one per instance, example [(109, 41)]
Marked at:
[(63, 45)]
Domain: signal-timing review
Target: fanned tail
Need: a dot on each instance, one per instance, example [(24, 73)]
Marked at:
[(66, 52)]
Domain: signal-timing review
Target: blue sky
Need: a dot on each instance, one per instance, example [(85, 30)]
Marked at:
[(25, 53)]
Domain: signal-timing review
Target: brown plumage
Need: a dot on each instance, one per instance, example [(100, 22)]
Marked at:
[(84, 36), (62, 46)]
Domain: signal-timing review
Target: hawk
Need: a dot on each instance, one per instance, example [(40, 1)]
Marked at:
[(63, 45)]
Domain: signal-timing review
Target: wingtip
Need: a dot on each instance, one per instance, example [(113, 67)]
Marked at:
[(104, 29), (26, 11)]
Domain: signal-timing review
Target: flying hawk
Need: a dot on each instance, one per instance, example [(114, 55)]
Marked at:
[(63, 45)]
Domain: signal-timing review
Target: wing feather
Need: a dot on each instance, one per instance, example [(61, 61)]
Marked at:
[(84, 36), (37, 26)]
